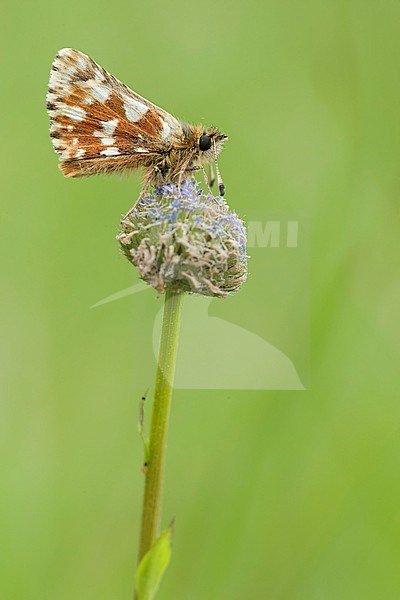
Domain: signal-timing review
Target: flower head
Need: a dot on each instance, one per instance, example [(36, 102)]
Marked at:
[(182, 239)]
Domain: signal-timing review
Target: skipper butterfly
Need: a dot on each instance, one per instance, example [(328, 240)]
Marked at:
[(99, 125)]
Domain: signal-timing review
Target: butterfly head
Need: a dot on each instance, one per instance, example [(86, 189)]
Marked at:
[(208, 144)]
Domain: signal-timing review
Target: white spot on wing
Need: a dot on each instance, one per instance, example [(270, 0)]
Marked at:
[(57, 143), (101, 93), (110, 152), (65, 52), (79, 153), (134, 109), (75, 113), (61, 149), (107, 141), (82, 63), (166, 130), (98, 75), (173, 124), (71, 71), (59, 79), (109, 126), (141, 149)]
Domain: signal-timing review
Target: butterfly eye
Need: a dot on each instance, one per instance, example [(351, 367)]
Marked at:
[(205, 142)]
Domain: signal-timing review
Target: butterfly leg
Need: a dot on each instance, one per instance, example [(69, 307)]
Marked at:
[(148, 181), (212, 174), (184, 170), (141, 195), (206, 180), (180, 177)]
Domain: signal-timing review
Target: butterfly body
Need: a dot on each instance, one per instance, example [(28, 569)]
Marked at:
[(99, 125)]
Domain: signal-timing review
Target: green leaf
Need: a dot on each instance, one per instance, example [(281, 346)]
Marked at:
[(152, 566)]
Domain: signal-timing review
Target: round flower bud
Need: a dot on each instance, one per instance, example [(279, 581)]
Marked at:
[(182, 239)]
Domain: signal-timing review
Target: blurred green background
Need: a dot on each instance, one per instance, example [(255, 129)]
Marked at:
[(277, 494)]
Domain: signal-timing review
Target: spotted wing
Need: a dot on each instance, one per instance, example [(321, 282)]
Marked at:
[(97, 123)]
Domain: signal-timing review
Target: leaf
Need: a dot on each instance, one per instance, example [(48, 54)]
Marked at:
[(152, 566)]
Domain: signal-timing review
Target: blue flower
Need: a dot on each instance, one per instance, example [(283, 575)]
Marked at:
[(182, 239)]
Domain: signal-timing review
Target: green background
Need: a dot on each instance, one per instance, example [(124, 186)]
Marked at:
[(281, 495)]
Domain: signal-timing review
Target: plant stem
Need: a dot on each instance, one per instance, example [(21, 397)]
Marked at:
[(154, 471)]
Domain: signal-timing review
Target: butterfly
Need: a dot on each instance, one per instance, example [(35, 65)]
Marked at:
[(99, 125)]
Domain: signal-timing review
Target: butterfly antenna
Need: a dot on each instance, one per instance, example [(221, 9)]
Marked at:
[(221, 186), (212, 174)]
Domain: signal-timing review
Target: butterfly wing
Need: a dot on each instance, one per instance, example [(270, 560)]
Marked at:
[(97, 123)]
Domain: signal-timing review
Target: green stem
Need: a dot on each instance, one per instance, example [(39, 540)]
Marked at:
[(154, 471)]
